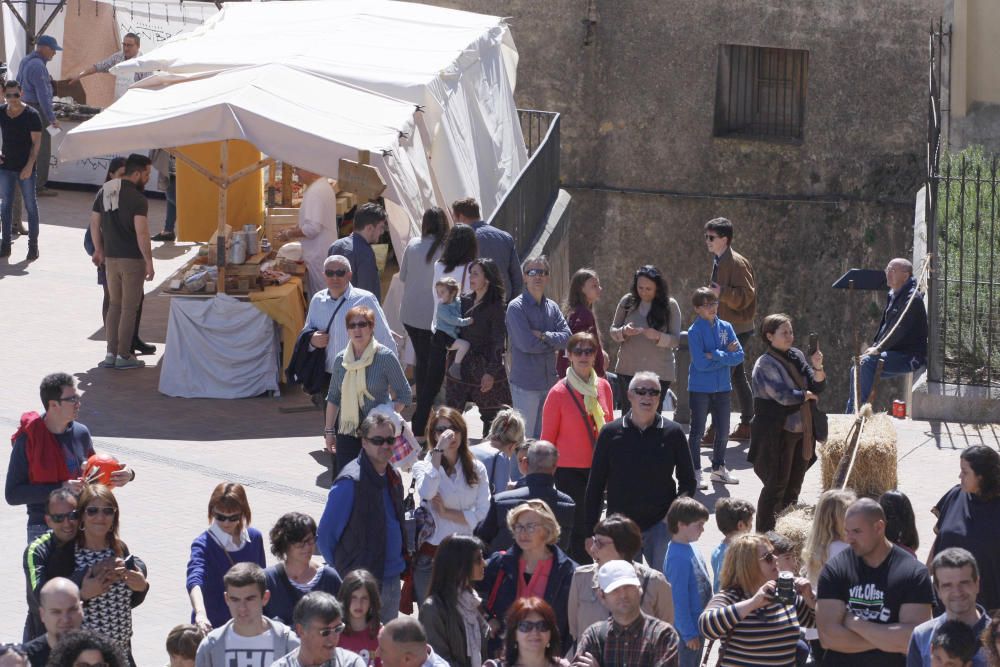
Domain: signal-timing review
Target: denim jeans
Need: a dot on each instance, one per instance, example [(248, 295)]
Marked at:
[(741, 384), (688, 657), (701, 403), (529, 403), (654, 545), (390, 594), (896, 363), (423, 565), (8, 180)]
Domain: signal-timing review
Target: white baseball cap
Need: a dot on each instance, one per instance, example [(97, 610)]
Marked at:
[(615, 574)]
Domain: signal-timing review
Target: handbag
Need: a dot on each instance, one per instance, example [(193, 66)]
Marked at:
[(417, 520)]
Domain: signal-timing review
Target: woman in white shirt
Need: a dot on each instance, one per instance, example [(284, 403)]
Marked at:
[(453, 487)]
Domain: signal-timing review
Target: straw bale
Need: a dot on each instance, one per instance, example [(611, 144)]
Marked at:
[(874, 469), (795, 522)]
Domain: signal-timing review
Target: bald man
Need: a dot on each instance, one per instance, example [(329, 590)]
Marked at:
[(61, 611), (901, 340), (403, 643)]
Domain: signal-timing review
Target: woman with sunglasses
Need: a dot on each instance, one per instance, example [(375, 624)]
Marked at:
[(534, 641), (293, 541), (456, 629), (746, 613), (575, 411), (647, 324), (616, 537), (452, 485), (584, 291), (230, 539), (364, 374), (113, 581)]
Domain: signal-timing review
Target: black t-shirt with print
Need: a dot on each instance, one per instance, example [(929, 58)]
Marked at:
[(874, 594)]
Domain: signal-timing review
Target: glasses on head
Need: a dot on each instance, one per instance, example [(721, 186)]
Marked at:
[(335, 630), (106, 511), (59, 517), (335, 273), (648, 271), (769, 557), (583, 351), (380, 441), (74, 399), (533, 626), (361, 324), (646, 391), (525, 527), (532, 273), (12, 96), (227, 518)]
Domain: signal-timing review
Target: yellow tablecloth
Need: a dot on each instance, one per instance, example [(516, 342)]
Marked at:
[(286, 305)]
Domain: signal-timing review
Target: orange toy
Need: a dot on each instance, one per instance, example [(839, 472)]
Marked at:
[(99, 468)]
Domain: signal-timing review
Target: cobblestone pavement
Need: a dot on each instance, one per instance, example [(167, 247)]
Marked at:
[(181, 448)]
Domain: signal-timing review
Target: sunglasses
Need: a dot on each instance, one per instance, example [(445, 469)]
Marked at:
[(227, 518), (74, 399), (358, 325), (10, 96), (336, 630), (646, 391), (583, 351), (335, 273), (441, 429), (529, 626), (380, 441), (532, 273), (106, 511), (769, 557), (711, 237), (62, 516)]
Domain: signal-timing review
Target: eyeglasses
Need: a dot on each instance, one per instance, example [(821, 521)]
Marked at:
[(525, 527), (583, 351), (62, 516), (74, 399), (380, 441), (363, 324), (708, 305), (106, 511), (529, 626), (601, 542), (646, 391), (227, 518), (441, 429), (532, 273), (10, 96), (335, 273), (711, 237), (769, 557), (308, 541), (335, 630)]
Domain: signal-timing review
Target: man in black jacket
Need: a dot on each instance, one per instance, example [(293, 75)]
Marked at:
[(901, 340), (636, 459), (539, 483)]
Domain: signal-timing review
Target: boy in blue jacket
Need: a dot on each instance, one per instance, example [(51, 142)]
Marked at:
[(714, 351), (685, 569)]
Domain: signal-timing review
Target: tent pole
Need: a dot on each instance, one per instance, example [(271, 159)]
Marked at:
[(286, 184), (223, 206)]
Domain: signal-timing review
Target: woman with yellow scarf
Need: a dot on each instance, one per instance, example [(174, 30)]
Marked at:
[(364, 373), (574, 412)]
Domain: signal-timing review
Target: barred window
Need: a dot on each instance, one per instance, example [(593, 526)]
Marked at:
[(760, 93)]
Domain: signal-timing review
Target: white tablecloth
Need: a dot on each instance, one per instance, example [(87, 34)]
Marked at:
[(219, 348)]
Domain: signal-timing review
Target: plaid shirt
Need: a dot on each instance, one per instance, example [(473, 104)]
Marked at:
[(647, 642)]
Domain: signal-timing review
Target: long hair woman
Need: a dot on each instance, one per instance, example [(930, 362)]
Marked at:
[(584, 291), (361, 599), (533, 639)]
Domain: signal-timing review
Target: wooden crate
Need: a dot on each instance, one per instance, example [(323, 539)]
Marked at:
[(278, 219)]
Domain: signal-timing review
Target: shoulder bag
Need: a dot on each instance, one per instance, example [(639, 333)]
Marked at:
[(583, 413)]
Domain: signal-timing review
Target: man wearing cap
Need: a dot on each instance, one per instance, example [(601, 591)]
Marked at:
[(36, 85), (628, 637)]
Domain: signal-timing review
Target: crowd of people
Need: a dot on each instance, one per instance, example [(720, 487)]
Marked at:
[(567, 536)]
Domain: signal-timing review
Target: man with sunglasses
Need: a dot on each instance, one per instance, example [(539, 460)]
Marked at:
[(537, 330), (319, 622), (50, 451), (51, 555), (636, 459), (21, 127), (130, 49)]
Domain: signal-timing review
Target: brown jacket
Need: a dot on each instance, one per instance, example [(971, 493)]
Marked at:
[(738, 294)]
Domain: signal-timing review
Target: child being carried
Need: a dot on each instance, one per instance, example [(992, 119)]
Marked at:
[(449, 320)]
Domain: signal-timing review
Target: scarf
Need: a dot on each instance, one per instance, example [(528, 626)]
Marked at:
[(792, 365), (589, 390), (225, 540), (354, 390), (46, 462), (473, 622), (538, 581), (110, 192)]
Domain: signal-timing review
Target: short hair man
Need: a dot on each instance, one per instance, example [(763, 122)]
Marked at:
[(954, 645), (537, 329), (956, 582), (61, 611), (319, 622), (120, 231), (50, 451), (21, 127), (636, 459), (369, 225), (130, 49), (871, 596), (363, 523), (539, 483), (901, 339), (51, 555), (494, 243), (249, 637), (36, 84), (403, 643), (629, 636)]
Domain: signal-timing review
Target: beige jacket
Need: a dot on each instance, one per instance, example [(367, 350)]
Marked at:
[(738, 291), (585, 606)]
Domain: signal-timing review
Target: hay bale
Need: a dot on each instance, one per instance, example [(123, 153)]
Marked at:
[(795, 523), (874, 469)]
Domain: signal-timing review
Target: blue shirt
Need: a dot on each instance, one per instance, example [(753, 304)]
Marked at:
[(322, 307), (533, 360), (498, 466), (712, 375), (339, 505), (362, 258), (919, 654), (718, 555), (36, 85), (685, 569), (498, 245), (449, 318)]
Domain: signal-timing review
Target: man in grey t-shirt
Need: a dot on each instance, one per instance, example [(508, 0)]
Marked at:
[(319, 622)]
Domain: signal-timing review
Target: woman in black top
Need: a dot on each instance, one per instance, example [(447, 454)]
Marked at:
[(293, 541)]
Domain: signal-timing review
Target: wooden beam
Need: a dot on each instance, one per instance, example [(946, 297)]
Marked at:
[(52, 17), (223, 210), (286, 184), (247, 170), (197, 167)]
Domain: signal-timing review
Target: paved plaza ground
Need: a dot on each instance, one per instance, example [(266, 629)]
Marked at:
[(181, 448)]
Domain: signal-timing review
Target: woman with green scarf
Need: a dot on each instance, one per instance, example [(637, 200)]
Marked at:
[(364, 373), (574, 412)]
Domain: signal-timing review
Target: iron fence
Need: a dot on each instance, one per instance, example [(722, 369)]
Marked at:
[(526, 205)]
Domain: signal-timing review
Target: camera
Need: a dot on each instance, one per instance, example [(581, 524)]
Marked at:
[(784, 591)]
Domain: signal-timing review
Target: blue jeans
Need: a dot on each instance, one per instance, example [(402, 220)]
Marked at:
[(8, 179), (168, 224), (689, 658), (390, 594), (529, 403), (701, 403), (896, 363), (654, 545), (423, 566)]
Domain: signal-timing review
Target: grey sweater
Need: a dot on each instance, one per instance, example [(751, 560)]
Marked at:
[(212, 650)]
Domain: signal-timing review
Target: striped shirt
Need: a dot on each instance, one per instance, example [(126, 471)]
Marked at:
[(767, 636)]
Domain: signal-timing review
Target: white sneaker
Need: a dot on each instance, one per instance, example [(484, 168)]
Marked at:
[(109, 361), (702, 484), (723, 477)]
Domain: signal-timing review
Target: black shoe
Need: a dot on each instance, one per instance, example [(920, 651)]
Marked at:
[(45, 192), (5, 250), (32, 252), (164, 236), (141, 347)]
